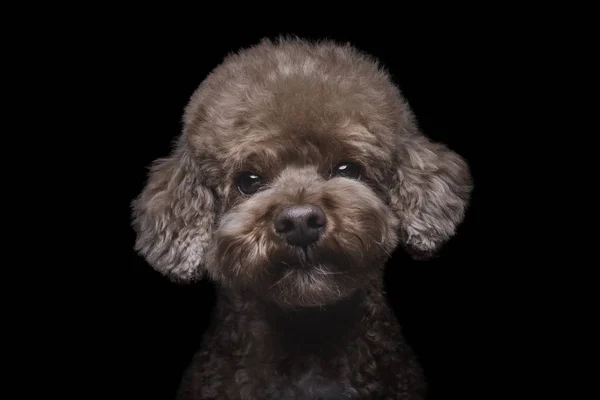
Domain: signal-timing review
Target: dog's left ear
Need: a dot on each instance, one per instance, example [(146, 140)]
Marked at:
[(173, 217), (431, 194)]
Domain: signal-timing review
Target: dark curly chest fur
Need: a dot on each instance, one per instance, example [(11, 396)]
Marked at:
[(353, 350)]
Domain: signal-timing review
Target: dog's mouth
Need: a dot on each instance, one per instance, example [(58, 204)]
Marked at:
[(311, 275), (322, 272), (298, 258), (309, 258)]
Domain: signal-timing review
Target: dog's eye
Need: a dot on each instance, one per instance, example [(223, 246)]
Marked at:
[(249, 182), (347, 170)]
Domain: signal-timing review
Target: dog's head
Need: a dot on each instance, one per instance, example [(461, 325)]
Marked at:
[(299, 170)]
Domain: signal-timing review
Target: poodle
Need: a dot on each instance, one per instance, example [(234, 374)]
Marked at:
[(299, 170)]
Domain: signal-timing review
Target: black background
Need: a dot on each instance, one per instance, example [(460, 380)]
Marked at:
[(452, 309)]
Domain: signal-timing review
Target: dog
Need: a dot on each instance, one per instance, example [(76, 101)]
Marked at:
[(300, 168)]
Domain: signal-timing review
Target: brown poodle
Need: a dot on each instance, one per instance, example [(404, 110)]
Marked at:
[(299, 170)]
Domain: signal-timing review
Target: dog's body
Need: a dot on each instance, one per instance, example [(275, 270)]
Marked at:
[(350, 350), (299, 171)]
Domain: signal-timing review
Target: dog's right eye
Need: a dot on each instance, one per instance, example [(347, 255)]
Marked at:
[(249, 182), (347, 170)]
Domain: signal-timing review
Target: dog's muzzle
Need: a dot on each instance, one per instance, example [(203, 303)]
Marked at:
[(300, 225)]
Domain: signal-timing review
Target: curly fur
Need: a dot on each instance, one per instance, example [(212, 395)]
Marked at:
[(299, 323)]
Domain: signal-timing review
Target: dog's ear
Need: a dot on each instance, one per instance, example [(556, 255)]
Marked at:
[(431, 194), (173, 217)]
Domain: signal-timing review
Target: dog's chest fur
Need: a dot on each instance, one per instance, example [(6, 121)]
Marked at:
[(256, 353), (313, 385)]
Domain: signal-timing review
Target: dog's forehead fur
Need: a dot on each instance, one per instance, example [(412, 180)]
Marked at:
[(291, 101)]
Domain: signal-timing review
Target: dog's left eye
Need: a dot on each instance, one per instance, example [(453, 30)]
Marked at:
[(347, 170), (249, 182)]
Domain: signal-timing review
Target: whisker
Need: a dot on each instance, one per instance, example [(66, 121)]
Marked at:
[(238, 270), (287, 274), (379, 244), (321, 271)]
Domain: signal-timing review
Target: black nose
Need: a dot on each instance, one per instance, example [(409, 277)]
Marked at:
[(300, 225)]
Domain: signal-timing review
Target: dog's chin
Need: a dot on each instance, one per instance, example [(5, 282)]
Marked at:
[(296, 277), (309, 286)]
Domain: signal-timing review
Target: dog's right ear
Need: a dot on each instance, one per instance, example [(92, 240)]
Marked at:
[(173, 217), (432, 192)]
